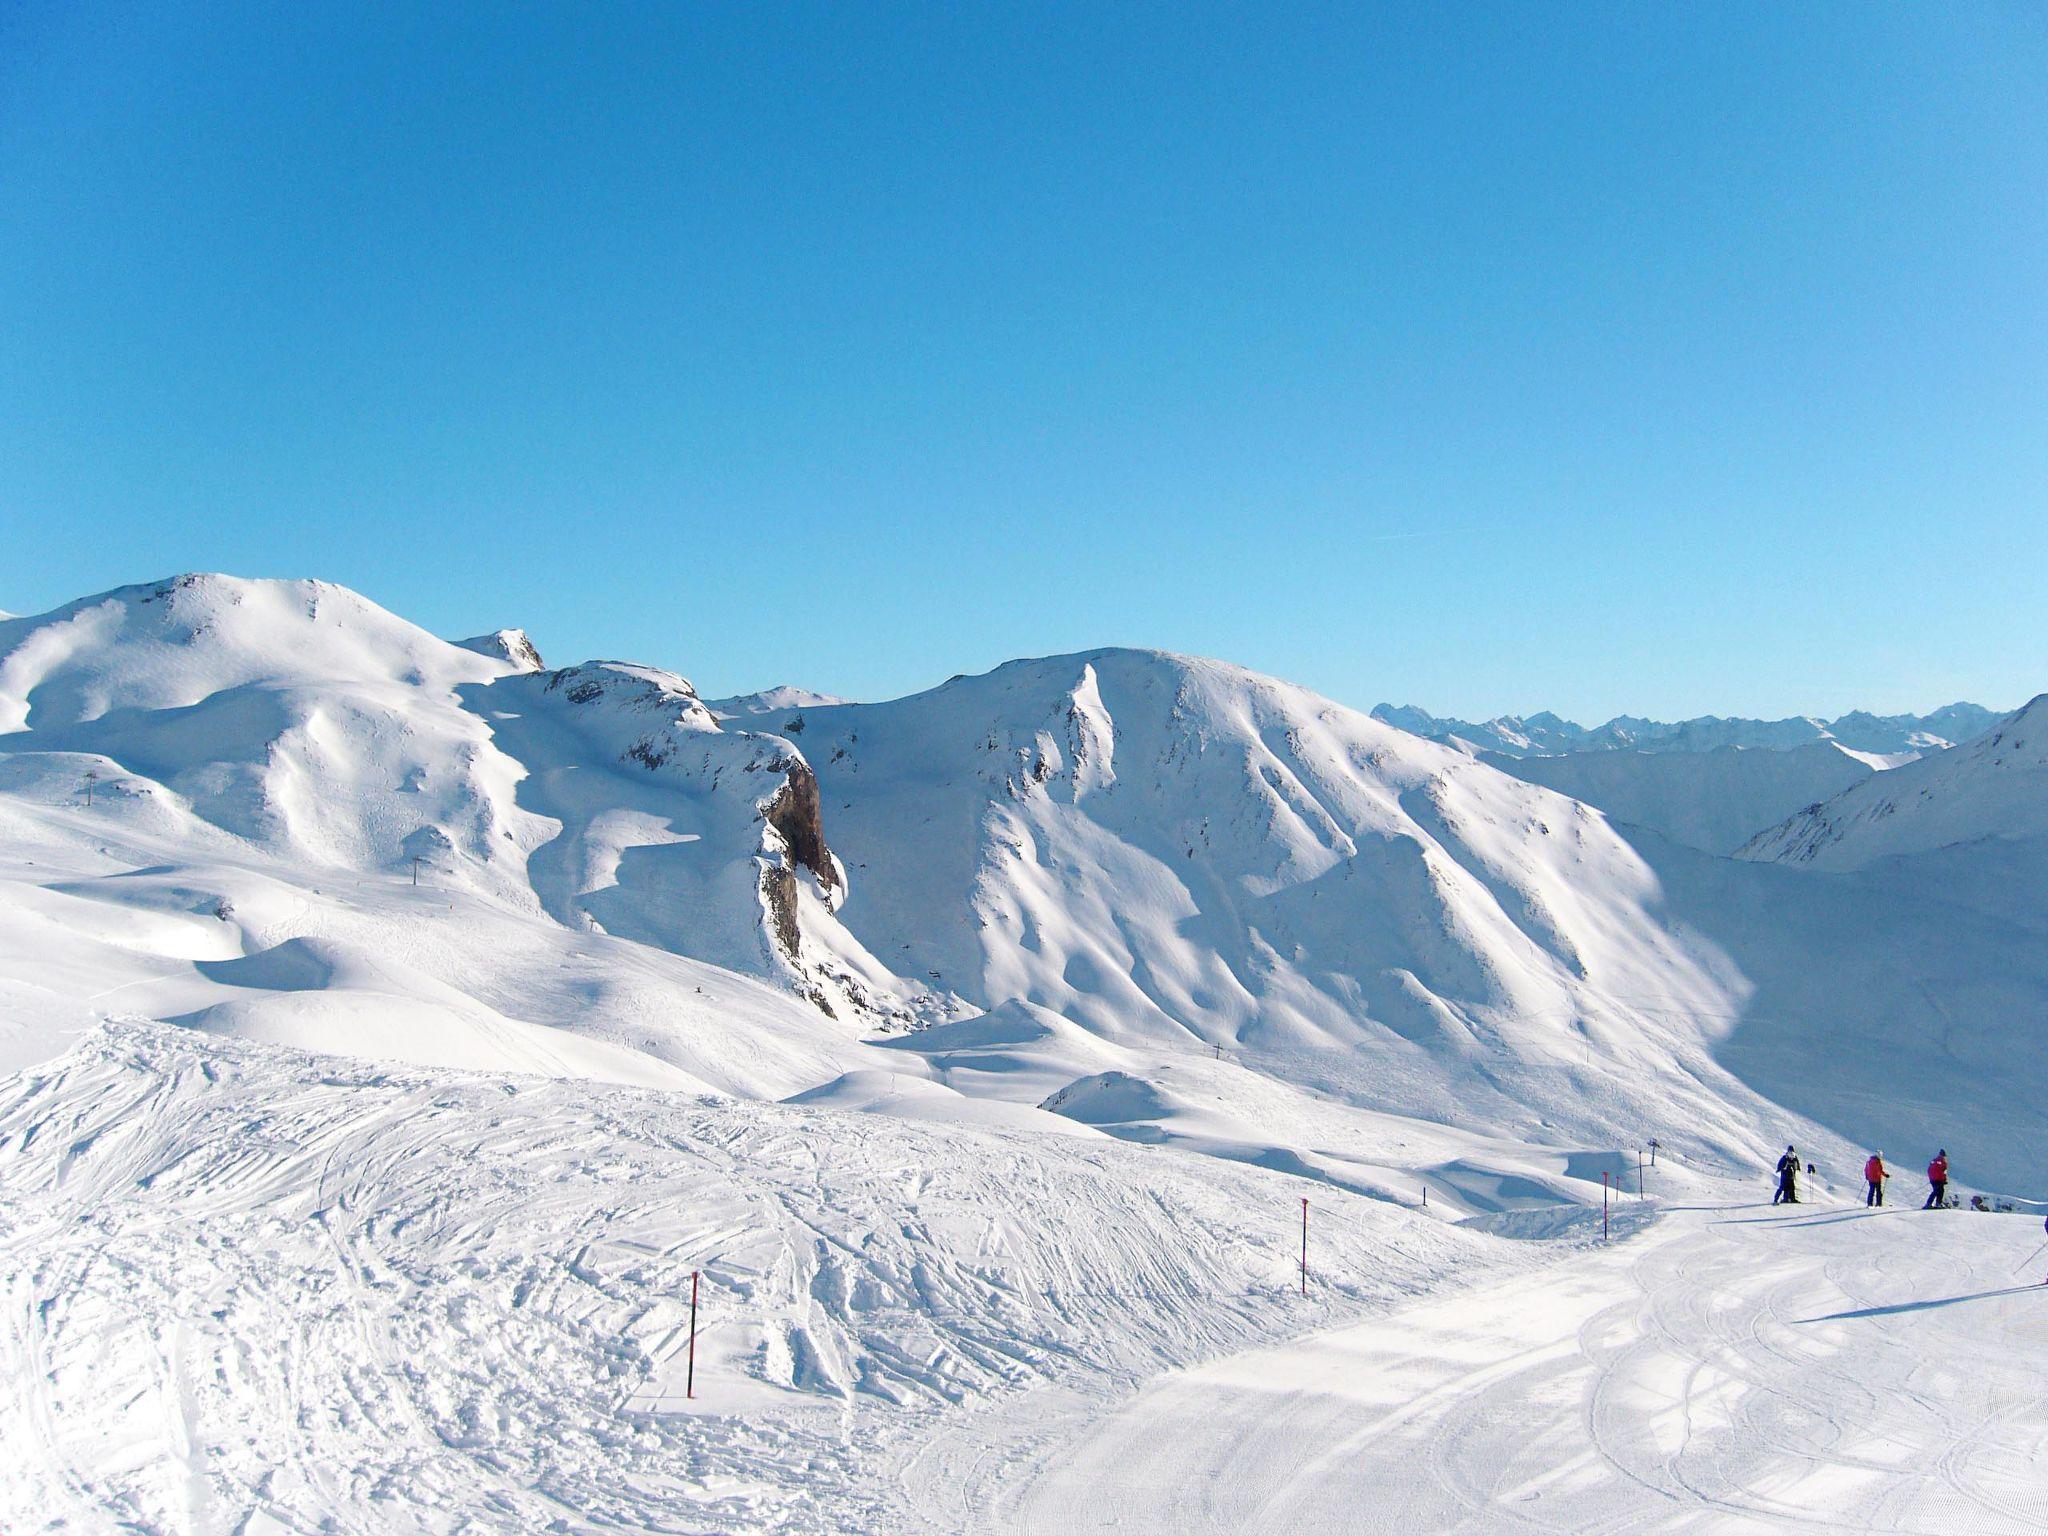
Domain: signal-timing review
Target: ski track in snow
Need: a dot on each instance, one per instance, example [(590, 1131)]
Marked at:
[(1730, 1370), (247, 1289)]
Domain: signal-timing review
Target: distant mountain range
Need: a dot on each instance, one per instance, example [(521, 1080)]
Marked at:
[(1547, 735)]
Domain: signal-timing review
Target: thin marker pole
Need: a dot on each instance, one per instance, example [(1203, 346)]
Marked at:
[(1603, 1207), (690, 1378), (1639, 1173), (1304, 1245)]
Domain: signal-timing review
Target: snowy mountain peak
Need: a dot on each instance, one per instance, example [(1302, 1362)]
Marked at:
[(507, 645), (784, 701), (631, 686), (1178, 853), (175, 643)]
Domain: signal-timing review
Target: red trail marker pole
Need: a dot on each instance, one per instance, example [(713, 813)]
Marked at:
[(1603, 1207), (1304, 1245), (690, 1376)]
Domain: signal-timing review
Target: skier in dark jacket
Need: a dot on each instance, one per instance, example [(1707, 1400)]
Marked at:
[(1937, 1182), (1788, 1179)]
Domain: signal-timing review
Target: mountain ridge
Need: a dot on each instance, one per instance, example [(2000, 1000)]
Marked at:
[(1994, 788), (1546, 734)]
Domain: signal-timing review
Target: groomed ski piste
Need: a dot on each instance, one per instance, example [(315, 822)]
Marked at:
[(395, 1029), (251, 1289)]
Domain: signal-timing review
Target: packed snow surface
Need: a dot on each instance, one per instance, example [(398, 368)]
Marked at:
[(246, 1288), (1730, 1370)]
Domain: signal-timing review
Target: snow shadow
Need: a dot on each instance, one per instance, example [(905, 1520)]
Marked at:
[(1925, 1306), (1924, 964)]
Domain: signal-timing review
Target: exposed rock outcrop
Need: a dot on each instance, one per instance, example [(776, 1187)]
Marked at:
[(506, 645)]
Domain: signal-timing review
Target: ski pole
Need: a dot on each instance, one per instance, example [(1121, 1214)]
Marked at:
[(2023, 1263)]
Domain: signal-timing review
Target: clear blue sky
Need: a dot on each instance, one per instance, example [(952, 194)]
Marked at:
[(1669, 358)]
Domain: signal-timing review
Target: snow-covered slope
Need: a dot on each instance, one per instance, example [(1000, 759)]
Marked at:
[(298, 727), (1728, 1373), (1714, 800), (1994, 788), (1547, 734), (249, 1290), (1188, 859)]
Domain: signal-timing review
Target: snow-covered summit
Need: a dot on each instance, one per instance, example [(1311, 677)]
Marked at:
[(171, 644), (507, 645), (1995, 787), (784, 702)]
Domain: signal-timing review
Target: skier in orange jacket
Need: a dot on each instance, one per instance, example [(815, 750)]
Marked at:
[(1874, 1175)]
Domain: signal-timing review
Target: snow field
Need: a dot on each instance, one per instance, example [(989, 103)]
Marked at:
[(251, 1289), (1728, 1370)]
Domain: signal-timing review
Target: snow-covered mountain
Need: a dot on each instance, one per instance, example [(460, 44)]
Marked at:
[(299, 721), (1547, 734), (1995, 788), (1175, 854), (1180, 854), (1162, 897), (1714, 800)]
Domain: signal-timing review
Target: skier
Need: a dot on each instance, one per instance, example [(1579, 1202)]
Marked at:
[(1937, 1182), (1788, 1179), (1874, 1175)]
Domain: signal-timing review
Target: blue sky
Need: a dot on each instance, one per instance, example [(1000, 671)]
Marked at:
[(1662, 358)]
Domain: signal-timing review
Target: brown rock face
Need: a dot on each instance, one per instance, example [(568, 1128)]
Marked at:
[(795, 812), (778, 889)]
